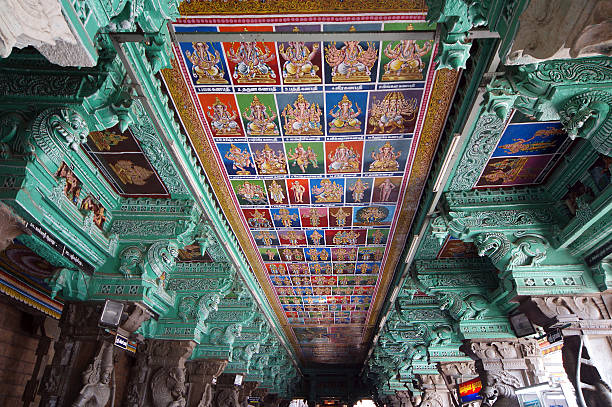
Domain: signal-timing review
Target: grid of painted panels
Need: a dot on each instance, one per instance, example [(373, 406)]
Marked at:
[(315, 140)]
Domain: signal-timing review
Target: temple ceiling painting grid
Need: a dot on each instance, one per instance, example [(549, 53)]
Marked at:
[(315, 143)]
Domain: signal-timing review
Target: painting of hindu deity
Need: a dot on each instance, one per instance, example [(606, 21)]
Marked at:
[(358, 190), (457, 249), (404, 60), (301, 113), (250, 62), (313, 217), (292, 237), (305, 158), (528, 139), (258, 218), (367, 268), (344, 254), (347, 237), (258, 114), (316, 254), (346, 114), (393, 112), (269, 254), (265, 237), (386, 155), (286, 217), (327, 190), (340, 217), (292, 254), (351, 61), (300, 61), (373, 215), (370, 253), (299, 191), (193, 254), (386, 189), (378, 236), (269, 158), (601, 171), (237, 158), (277, 192), (205, 62), (501, 172), (315, 237), (344, 157), (250, 192), (105, 140), (320, 268), (221, 114)]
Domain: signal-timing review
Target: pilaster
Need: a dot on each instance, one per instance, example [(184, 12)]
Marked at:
[(226, 392)]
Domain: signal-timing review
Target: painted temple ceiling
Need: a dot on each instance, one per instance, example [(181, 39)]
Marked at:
[(318, 154)]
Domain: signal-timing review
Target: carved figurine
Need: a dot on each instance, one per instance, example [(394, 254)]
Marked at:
[(72, 189), (168, 387), (96, 379)]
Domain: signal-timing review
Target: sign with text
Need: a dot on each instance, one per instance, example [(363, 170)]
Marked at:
[(468, 391)]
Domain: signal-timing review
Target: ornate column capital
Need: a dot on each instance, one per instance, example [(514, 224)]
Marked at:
[(201, 375), (588, 314)]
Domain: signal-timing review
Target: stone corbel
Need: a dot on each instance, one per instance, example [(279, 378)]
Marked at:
[(226, 394), (588, 314), (202, 373), (11, 226)]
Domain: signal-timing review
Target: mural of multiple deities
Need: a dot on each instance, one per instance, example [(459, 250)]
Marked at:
[(316, 141)]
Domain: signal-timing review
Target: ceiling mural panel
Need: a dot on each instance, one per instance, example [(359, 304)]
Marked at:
[(526, 153), (120, 159), (316, 154)]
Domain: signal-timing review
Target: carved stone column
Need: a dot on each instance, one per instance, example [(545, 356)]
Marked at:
[(201, 375), (76, 346), (159, 375), (435, 391), (457, 372), (405, 398), (226, 393), (505, 365), (245, 392), (586, 324)]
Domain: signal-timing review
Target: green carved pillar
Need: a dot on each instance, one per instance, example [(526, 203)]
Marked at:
[(202, 373)]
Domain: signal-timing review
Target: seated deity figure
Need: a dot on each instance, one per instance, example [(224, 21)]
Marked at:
[(251, 63), (223, 120), (298, 66), (406, 61), (351, 63), (205, 64), (392, 113), (260, 122), (385, 159), (345, 117), (303, 117)]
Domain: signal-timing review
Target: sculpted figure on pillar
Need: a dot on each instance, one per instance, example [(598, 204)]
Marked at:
[(96, 379)]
